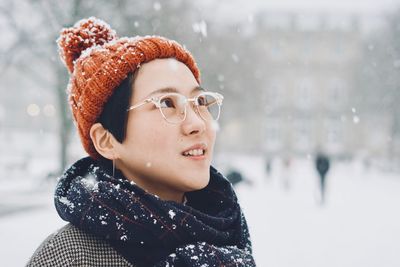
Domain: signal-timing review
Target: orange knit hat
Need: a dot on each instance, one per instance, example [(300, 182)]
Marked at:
[(98, 61)]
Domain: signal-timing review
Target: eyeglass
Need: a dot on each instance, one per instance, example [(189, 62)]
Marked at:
[(173, 106)]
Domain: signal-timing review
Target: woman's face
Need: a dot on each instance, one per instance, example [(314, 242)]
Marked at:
[(152, 155)]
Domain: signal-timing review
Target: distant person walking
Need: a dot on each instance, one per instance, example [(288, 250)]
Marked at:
[(322, 165), (268, 167), (286, 172)]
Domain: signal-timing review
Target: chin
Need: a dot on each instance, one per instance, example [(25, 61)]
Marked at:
[(201, 182)]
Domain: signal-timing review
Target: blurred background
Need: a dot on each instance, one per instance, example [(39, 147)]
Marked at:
[(309, 134)]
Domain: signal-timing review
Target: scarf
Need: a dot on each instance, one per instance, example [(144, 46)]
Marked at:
[(209, 229)]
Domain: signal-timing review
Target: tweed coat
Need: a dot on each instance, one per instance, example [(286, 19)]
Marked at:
[(70, 247)]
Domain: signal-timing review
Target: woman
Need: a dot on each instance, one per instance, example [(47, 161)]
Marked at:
[(147, 194)]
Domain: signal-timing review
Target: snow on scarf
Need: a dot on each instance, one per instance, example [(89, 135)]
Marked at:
[(208, 230)]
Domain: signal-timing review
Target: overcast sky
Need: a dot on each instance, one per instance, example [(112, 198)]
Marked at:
[(348, 6), (239, 8), (368, 11)]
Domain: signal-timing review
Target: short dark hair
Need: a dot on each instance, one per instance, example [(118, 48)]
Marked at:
[(114, 116)]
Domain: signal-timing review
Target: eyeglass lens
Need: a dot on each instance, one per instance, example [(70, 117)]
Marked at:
[(173, 107)]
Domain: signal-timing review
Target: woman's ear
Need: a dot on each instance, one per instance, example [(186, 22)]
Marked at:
[(103, 141)]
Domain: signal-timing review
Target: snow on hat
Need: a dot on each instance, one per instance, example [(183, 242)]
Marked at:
[(98, 61)]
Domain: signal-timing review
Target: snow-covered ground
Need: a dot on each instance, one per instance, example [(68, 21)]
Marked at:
[(359, 225)]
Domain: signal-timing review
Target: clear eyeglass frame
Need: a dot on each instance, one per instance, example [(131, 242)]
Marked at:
[(156, 100)]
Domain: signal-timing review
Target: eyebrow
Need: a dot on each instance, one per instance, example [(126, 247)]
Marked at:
[(174, 90)]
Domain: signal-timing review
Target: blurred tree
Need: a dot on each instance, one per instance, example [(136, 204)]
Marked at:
[(394, 72), (379, 77), (35, 38)]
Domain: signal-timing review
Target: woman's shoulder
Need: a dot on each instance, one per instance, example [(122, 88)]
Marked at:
[(70, 246)]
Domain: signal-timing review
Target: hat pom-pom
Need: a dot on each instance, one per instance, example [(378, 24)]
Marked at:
[(84, 34)]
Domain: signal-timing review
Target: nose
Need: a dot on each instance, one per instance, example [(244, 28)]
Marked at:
[(193, 124)]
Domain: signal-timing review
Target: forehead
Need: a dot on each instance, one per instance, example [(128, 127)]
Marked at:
[(163, 73)]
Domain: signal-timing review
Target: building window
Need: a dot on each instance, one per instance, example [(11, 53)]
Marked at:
[(336, 93), (274, 94), (304, 93)]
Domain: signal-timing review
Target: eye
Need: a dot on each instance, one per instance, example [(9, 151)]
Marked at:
[(206, 100), (202, 100), (167, 102)]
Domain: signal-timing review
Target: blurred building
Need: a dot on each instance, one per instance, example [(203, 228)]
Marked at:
[(309, 69), (311, 89)]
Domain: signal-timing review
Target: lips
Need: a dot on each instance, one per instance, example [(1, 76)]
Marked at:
[(196, 150)]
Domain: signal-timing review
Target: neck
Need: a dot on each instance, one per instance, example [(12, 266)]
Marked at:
[(162, 192)]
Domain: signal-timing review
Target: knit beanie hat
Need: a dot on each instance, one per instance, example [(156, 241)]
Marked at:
[(98, 61)]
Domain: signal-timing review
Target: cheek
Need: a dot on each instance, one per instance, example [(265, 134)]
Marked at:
[(212, 134), (152, 139), (159, 141)]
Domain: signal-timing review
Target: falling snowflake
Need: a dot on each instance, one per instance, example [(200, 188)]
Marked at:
[(200, 27), (157, 6)]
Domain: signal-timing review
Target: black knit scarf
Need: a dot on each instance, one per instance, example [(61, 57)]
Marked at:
[(208, 230)]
